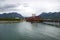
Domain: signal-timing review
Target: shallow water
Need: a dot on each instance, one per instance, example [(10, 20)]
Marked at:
[(28, 31)]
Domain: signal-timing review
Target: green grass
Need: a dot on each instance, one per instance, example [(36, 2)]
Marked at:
[(9, 19)]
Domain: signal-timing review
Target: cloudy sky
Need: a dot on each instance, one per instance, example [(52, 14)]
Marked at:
[(29, 7)]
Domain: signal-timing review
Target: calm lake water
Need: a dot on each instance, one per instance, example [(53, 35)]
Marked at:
[(28, 31)]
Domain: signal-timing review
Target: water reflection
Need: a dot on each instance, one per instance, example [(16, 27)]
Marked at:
[(28, 31), (25, 27)]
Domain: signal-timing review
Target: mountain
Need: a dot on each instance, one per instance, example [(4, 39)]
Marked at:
[(50, 15), (11, 15)]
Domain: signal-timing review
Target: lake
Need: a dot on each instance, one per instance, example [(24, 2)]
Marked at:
[(28, 31)]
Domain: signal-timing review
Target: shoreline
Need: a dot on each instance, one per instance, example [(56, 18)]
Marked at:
[(57, 24), (8, 21)]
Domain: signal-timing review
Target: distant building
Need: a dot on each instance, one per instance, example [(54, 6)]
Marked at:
[(33, 15), (34, 18), (17, 18)]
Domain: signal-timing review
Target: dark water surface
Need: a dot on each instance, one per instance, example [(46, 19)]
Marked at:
[(28, 31)]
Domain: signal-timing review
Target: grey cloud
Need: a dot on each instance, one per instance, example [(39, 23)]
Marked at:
[(2, 0), (7, 10), (7, 7)]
